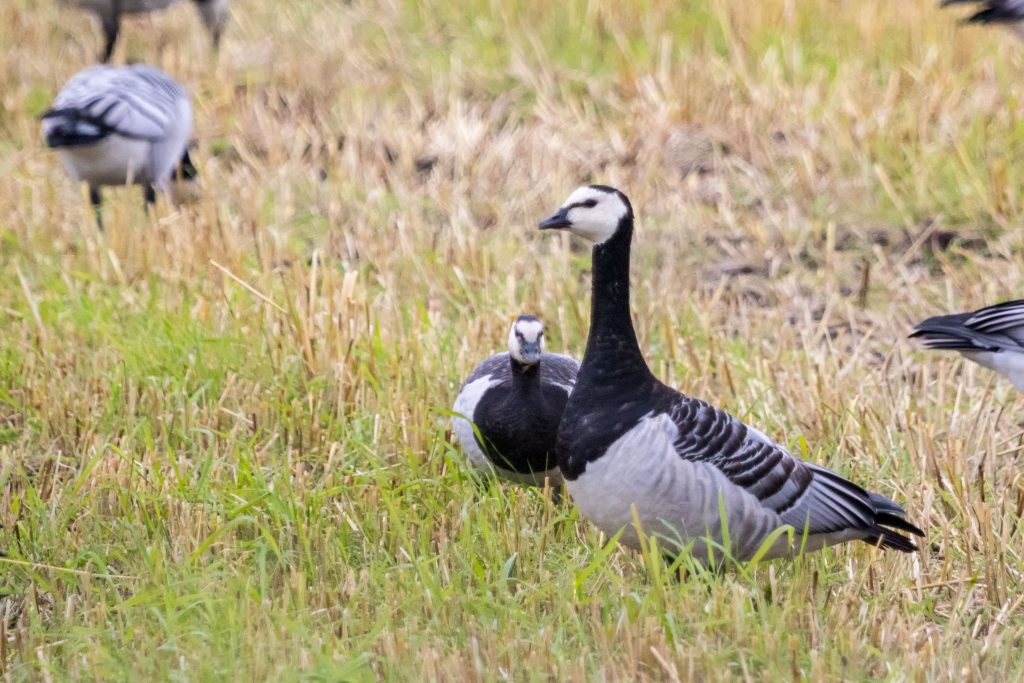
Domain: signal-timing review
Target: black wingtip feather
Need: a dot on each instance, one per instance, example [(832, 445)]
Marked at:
[(67, 137), (887, 538), (994, 16), (949, 345), (992, 12), (949, 333), (889, 514), (897, 522)]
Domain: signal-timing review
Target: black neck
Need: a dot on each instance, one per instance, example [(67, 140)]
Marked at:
[(525, 376), (613, 353)]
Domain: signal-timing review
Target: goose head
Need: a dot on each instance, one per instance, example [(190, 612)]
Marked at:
[(526, 340), (594, 212)]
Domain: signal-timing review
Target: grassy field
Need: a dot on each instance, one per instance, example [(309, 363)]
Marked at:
[(223, 442)]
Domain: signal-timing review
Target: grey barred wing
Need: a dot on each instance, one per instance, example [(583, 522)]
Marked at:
[(138, 102), (494, 367), (560, 370), (800, 493), (1006, 319), (995, 328)]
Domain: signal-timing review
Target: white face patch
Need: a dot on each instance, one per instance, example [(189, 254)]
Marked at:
[(595, 214), (526, 340), (530, 330)]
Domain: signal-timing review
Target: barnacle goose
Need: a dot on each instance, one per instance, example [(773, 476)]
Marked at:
[(1010, 13), (627, 441), (516, 399), (992, 337), (214, 14), (122, 125)]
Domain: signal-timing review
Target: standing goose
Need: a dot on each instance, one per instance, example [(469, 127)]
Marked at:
[(214, 14), (516, 399), (1009, 13), (628, 442), (122, 125), (992, 337)]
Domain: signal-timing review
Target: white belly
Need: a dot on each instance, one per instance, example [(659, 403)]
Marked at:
[(1009, 364), (115, 160), (679, 501)]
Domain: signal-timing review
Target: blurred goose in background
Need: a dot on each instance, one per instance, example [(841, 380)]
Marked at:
[(122, 126), (992, 337), (1009, 13), (632, 449), (214, 14), (516, 399)]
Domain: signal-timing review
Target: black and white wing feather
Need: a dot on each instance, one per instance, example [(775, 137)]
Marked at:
[(992, 11), (555, 369), (137, 102), (995, 328), (494, 367), (803, 495), (559, 370)]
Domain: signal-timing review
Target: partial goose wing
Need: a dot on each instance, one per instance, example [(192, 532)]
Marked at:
[(801, 494), (494, 367), (996, 328), (493, 371), (560, 370), (140, 6), (993, 11), (138, 102), (123, 6)]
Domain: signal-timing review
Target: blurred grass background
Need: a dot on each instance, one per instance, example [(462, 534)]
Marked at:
[(223, 441)]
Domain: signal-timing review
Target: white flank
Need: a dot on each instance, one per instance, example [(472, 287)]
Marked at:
[(114, 160), (1009, 364), (465, 407), (675, 499)]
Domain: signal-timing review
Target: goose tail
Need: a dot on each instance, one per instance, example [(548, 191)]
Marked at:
[(890, 519), (951, 333)]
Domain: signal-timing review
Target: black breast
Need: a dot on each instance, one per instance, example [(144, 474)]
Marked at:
[(598, 415), (519, 425)]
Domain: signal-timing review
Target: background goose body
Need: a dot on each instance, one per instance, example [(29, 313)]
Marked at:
[(516, 400), (214, 14), (1009, 13), (992, 337), (117, 125), (628, 441)]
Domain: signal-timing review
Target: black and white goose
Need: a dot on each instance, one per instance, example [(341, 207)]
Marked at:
[(627, 441), (1009, 13), (516, 399), (992, 337), (122, 125), (214, 14)]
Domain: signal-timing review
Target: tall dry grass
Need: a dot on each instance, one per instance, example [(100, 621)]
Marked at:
[(223, 451)]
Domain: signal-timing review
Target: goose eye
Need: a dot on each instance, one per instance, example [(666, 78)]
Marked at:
[(590, 203)]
